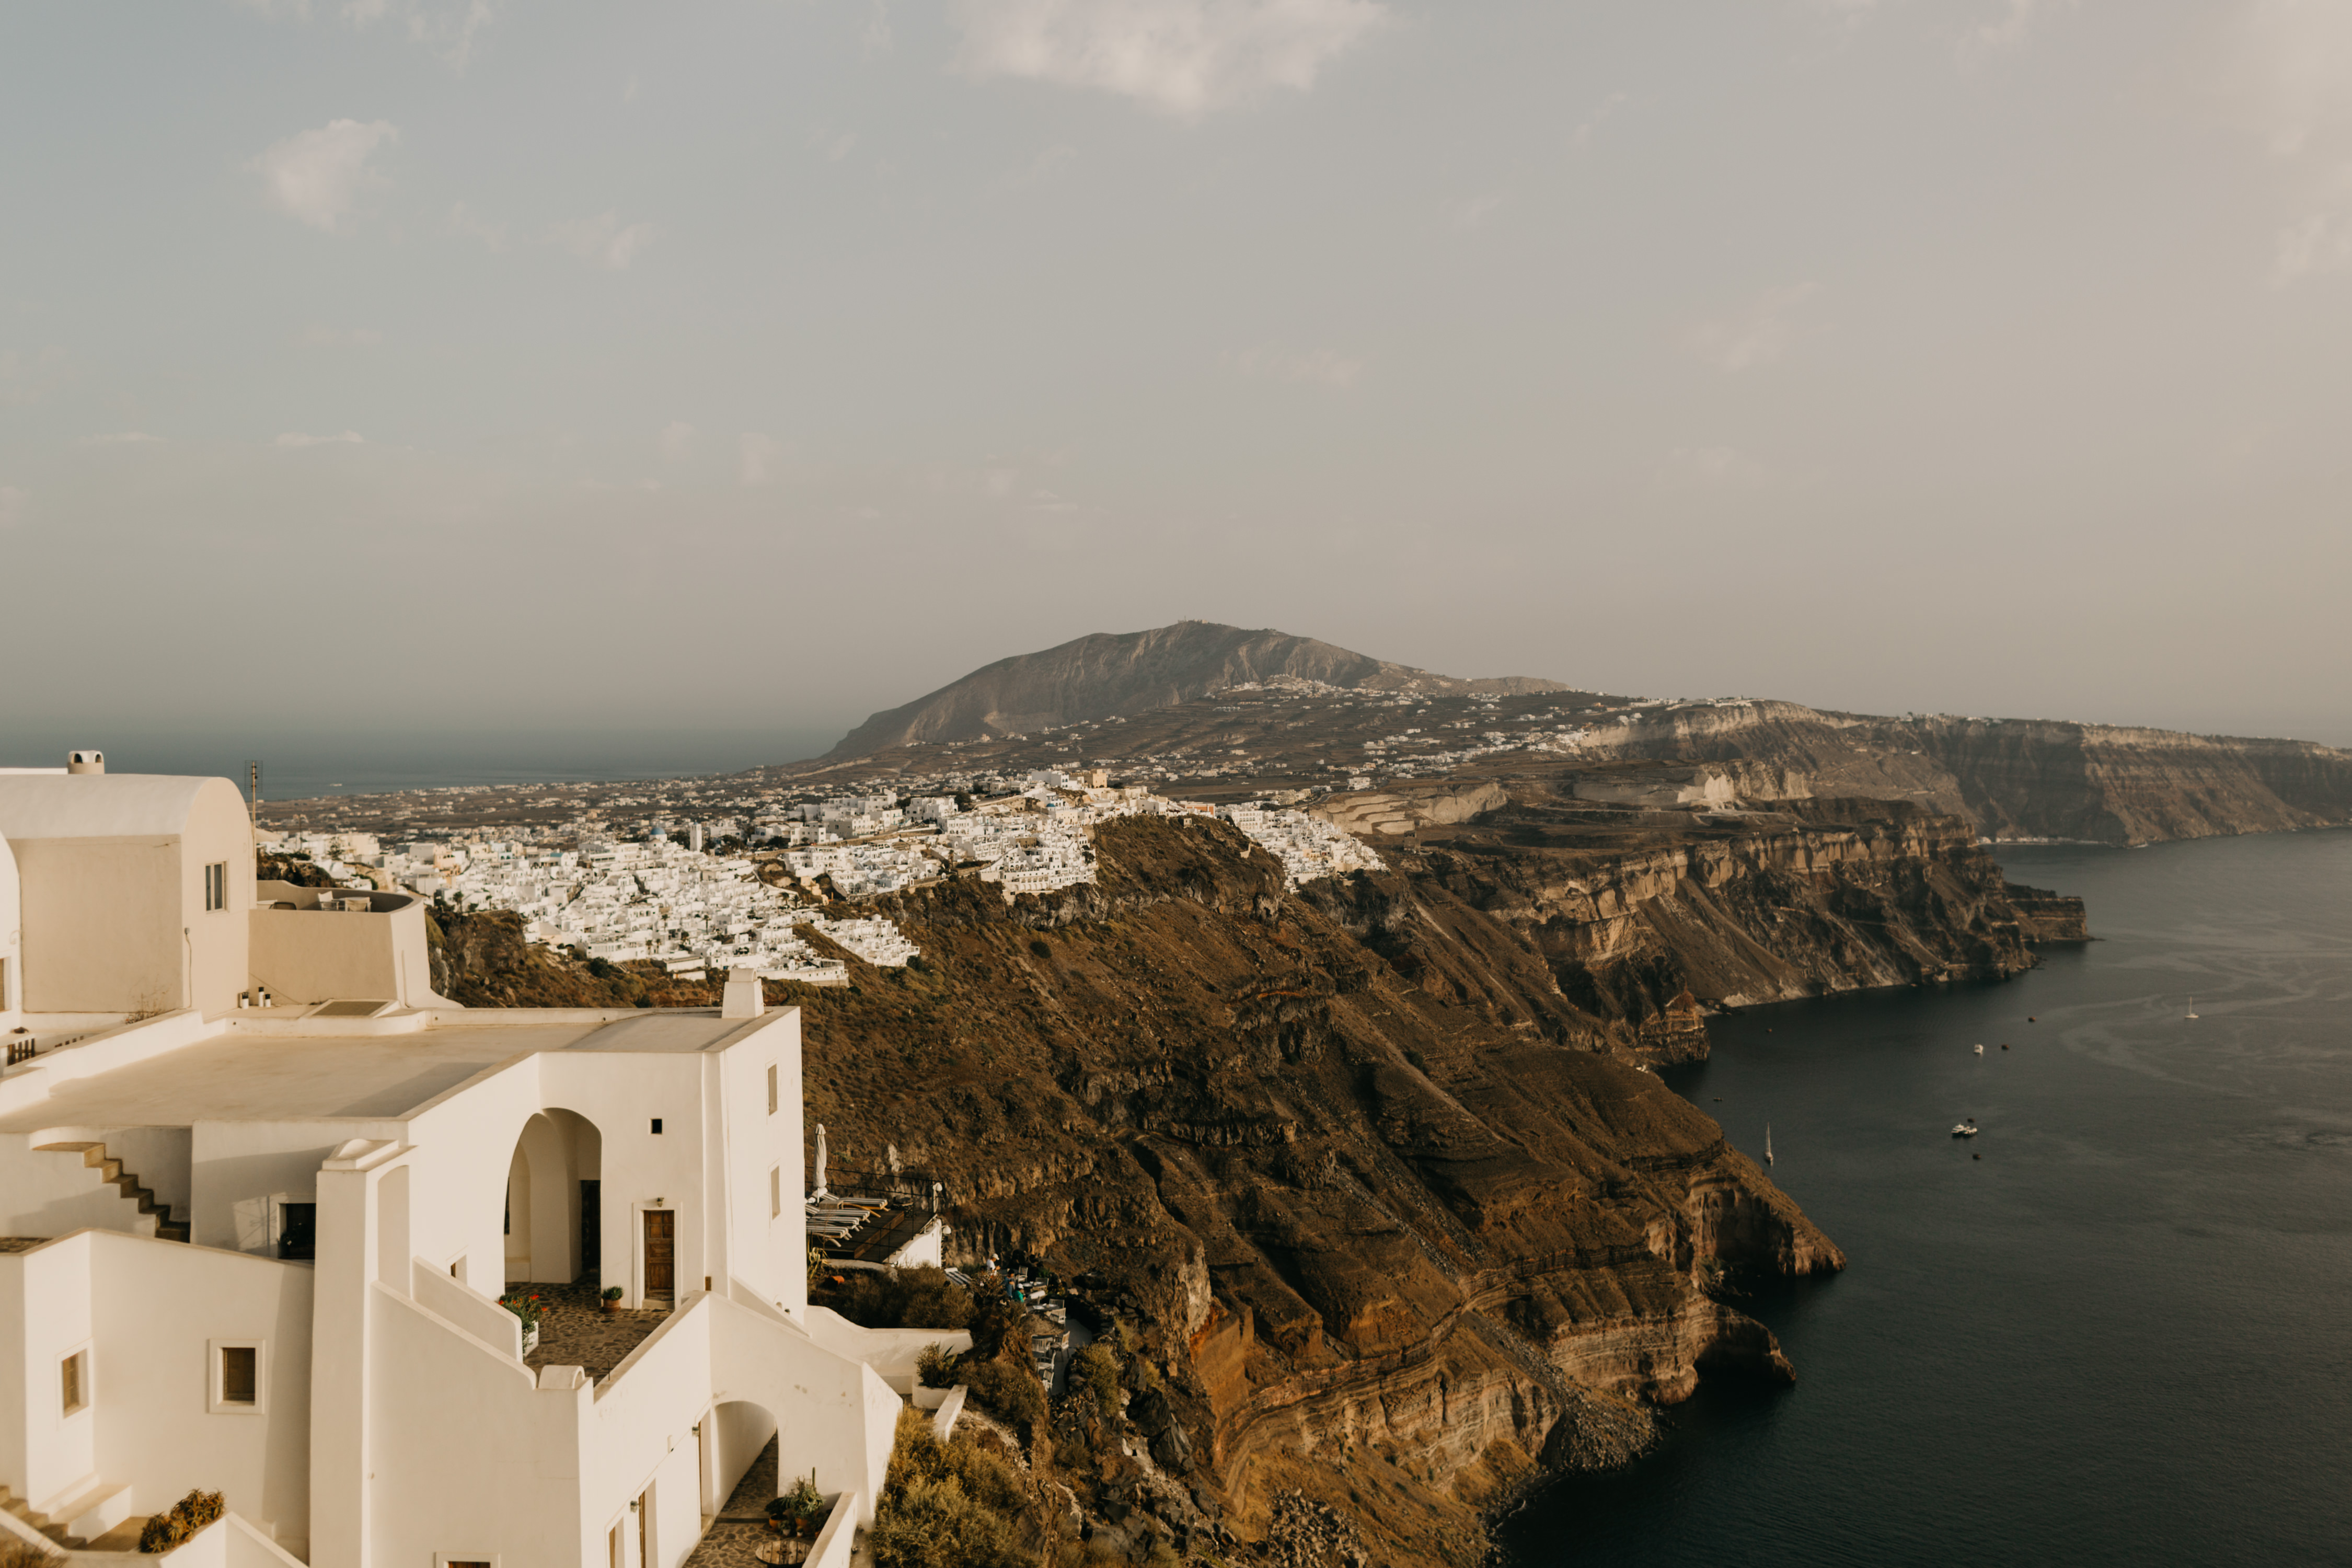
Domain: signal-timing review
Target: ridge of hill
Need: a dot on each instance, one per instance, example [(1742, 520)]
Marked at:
[(1106, 675), (1214, 712)]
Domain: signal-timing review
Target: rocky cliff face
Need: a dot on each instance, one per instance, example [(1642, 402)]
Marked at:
[(1104, 674), (1358, 1210), (2012, 779), (1546, 922)]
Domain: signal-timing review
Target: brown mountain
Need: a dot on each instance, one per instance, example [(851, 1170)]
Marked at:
[(1106, 674)]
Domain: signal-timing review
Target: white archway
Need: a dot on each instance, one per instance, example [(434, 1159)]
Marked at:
[(736, 1435), (552, 1198)]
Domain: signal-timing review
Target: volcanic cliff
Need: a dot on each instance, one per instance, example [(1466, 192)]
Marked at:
[(1374, 1160)]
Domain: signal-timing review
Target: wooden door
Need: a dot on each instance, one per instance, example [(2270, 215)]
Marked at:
[(661, 1269)]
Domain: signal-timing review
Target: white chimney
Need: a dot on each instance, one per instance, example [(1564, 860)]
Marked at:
[(744, 997), (84, 761)]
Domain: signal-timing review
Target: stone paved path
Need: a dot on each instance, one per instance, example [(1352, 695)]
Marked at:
[(729, 1542), (576, 1330)]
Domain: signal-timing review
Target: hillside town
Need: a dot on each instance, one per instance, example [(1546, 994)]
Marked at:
[(746, 889)]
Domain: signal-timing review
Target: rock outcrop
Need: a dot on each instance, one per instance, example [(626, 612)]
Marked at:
[(2043, 916)]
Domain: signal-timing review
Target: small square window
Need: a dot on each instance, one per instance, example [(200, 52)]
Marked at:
[(238, 1370), (239, 1379), (73, 1383), (656, 1124)]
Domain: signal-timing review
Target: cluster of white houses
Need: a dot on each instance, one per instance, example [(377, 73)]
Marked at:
[(258, 1249)]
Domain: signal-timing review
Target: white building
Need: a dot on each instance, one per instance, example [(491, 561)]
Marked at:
[(260, 1251)]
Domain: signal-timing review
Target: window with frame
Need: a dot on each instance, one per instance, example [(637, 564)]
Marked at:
[(238, 1377), (240, 1374), (73, 1383), (216, 886)]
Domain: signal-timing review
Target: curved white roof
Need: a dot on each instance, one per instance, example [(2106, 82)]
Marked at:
[(98, 805)]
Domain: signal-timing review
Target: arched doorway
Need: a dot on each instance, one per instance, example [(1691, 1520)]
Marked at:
[(738, 1459), (553, 1211)]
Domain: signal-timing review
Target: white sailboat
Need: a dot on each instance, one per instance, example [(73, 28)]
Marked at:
[(1768, 1142), (2192, 1008)]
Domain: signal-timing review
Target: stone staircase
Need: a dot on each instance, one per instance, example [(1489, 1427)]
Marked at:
[(111, 1170), (97, 1507), (11, 1503)]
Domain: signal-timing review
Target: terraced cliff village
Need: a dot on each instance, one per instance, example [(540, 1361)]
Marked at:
[(1292, 1020)]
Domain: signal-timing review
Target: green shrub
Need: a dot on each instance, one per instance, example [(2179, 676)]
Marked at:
[(936, 1366), (1011, 1392), (908, 1298), (950, 1505), (1096, 1370)]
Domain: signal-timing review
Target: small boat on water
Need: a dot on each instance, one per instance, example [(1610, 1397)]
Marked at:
[(1968, 1129), (1980, 1050), (2192, 1008), (1768, 1142)]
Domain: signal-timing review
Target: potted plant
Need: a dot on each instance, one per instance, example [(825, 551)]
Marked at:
[(799, 1511), (611, 1298), (530, 1309)]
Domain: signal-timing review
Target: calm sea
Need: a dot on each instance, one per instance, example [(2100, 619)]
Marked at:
[(2124, 1333)]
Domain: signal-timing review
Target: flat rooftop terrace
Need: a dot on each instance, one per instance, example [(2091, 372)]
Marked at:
[(250, 1075)]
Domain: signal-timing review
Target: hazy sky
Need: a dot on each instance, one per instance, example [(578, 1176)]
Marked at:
[(430, 368)]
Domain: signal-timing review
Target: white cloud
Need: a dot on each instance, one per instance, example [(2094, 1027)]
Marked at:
[(2010, 22), (316, 175), (296, 438), (1180, 56), (676, 440), (1715, 465), (2293, 88), (2320, 243), (756, 456), (449, 31), (1474, 212), (2010, 30), (14, 504), (1308, 367), (26, 380), (2298, 69), (493, 235), (1581, 136), (604, 240), (1757, 335)]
